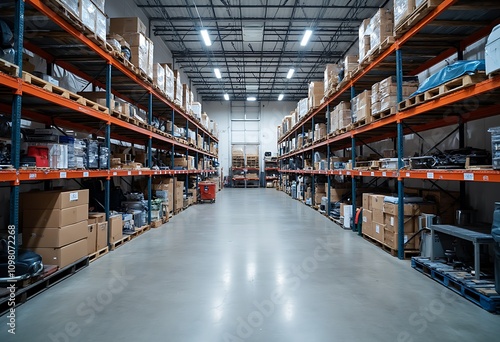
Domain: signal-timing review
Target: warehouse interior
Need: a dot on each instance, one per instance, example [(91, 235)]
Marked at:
[(237, 170)]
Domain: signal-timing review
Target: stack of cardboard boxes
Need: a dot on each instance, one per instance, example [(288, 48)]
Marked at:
[(55, 225), (380, 220), (340, 117), (315, 94), (142, 48), (165, 185), (374, 31), (178, 194), (91, 13), (331, 78), (384, 93), (361, 107)]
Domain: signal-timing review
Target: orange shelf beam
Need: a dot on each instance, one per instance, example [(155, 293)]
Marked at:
[(453, 175)]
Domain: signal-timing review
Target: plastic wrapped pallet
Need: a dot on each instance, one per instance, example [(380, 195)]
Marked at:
[(126, 25), (72, 6), (100, 24), (302, 107), (331, 77), (169, 81), (150, 65), (361, 106), (402, 9), (350, 64), (159, 76), (381, 26), (196, 108), (185, 98), (315, 94), (375, 98), (88, 14), (100, 4), (364, 39)]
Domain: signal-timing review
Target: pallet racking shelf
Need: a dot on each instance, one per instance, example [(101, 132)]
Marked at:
[(446, 28), (42, 28)]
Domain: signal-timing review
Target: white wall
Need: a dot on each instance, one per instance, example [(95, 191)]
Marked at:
[(272, 114)]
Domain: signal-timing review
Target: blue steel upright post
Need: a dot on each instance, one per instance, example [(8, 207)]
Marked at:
[(353, 159), (107, 138), (16, 123), (173, 146), (399, 80), (150, 155)]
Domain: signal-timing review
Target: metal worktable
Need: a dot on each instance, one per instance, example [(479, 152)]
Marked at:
[(476, 238)]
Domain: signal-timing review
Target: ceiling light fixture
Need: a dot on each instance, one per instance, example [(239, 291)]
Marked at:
[(251, 98), (226, 96), (217, 73), (290, 73), (306, 37), (206, 37), (281, 97)]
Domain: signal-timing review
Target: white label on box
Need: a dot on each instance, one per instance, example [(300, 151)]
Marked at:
[(32, 175), (384, 174), (406, 238), (392, 220), (365, 219), (62, 175), (468, 176), (377, 228), (85, 174), (73, 196), (372, 174), (430, 175)]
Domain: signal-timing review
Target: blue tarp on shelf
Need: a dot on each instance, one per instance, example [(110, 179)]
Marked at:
[(451, 72)]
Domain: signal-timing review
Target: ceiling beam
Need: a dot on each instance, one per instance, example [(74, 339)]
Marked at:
[(253, 20), (332, 6)]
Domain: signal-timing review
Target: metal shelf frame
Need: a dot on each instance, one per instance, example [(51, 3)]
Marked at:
[(437, 113)]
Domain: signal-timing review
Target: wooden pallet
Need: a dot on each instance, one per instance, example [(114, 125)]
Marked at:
[(454, 85), (361, 123), (98, 254), (121, 242), (417, 15), (377, 51), (46, 85), (9, 68), (156, 223), (411, 102), (91, 104), (58, 7), (385, 113)]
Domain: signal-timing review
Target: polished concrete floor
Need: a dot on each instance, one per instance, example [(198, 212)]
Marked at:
[(254, 266)]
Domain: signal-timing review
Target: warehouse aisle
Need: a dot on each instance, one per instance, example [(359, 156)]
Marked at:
[(254, 266)]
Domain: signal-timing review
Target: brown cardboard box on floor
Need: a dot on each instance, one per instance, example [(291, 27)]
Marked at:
[(391, 223), (54, 237), (116, 227), (54, 199), (391, 240), (102, 235), (92, 238), (366, 227), (378, 216), (318, 196), (65, 255), (367, 203), (54, 218), (97, 218), (378, 231)]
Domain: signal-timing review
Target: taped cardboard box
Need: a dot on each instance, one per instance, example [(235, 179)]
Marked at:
[(366, 225), (65, 255), (126, 25), (378, 231), (102, 235), (92, 238), (54, 237), (54, 199)]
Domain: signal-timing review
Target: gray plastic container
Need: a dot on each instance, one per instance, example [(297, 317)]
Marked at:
[(495, 147)]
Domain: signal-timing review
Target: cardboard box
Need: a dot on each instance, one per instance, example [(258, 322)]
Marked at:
[(318, 196), (391, 223), (126, 25), (378, 231), (366, 226), (116, 227), (391, 240), (367, 204), (410, 209), (54, 199), (54, 218), (97, 218), (92, 238), (378, 216), (102, 235), (336, 194), (54, 237), (377, 202), (63, 256)]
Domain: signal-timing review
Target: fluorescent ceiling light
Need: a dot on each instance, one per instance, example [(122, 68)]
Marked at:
[(206, 37), (251, 98), (226, 96), (290, 73), (306, 37), (281, 97), (217, 73)]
